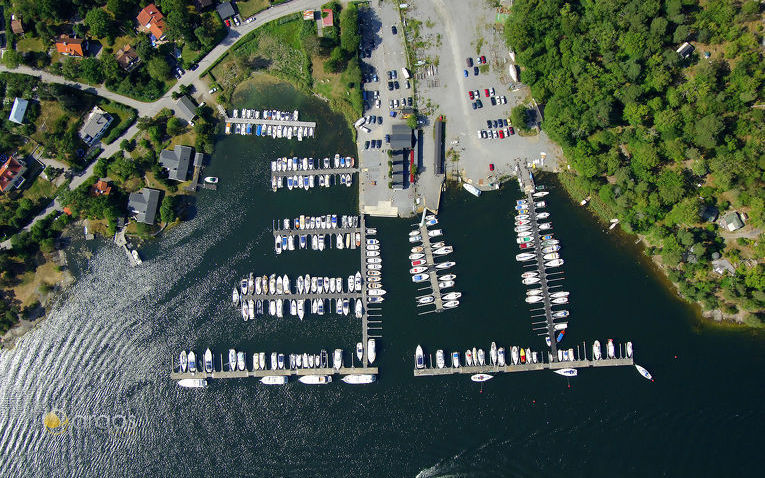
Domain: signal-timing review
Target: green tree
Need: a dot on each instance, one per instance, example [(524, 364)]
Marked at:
[(158, 68), (167, 209), (91, 70), (71, 68), (671, 186), (175, 126), (707, 130), (100, 23), (12, 58), (121, 8), (349, 29)]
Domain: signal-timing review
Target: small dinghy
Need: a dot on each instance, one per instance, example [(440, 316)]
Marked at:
[(481, 377), (644, 372)]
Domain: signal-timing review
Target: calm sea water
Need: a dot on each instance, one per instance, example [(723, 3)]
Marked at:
[(103, 356)]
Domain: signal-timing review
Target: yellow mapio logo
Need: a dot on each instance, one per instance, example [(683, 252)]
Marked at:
[(56, 422)]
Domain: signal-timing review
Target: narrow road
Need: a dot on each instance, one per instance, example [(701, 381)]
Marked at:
[(166, 101)]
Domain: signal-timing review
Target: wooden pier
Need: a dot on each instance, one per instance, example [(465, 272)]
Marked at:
[(272, 122), (430, 262), (313, 232), (285, 372), (306, 296), (314, 172)]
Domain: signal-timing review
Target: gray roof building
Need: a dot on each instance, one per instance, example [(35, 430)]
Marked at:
[(225, 10), (176, 162), (438, 153), (95, 126), (732, 221), (685, 50), (400, 137), (18, 110), (186, 109), (143, 205)]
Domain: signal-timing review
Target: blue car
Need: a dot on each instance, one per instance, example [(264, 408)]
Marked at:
[(475, 70), (474, 105), (466, 73)]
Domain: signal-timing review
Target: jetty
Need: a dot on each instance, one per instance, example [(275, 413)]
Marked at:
[(581, 361), (313, 172), (430, 262)]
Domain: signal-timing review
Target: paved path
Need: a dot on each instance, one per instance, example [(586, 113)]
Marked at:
[(166, 101)]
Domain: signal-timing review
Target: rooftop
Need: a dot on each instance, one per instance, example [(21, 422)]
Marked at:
[(186, 109), (95, 125), (143, 205), (10, 174), (127, 57), (71, 46), (101, 188), (400, 136), (732, 221), (225, 10), (152, 19), (327, 17), (177, 162), (18, 110)]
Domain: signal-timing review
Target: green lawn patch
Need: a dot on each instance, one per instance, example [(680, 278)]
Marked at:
[(124, 116), (30, 44), (251, 7)]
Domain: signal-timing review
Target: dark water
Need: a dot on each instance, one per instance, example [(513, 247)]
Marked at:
[(106, 351)]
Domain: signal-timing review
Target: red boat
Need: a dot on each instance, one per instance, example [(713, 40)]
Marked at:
[(526, 245), (418, 262)]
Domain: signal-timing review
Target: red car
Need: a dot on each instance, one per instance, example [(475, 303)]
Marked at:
[(228, 22), (491, 166), (483, 59), (472, 96), (501, 134), (512, 131), (486, 92)]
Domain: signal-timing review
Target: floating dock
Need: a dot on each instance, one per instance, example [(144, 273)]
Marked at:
[(314, 172)]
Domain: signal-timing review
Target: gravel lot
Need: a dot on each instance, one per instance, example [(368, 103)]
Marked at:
[(452, 32)]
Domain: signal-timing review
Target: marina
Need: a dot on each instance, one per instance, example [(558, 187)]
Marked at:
[(318, 233), (273, 123), (307, 173), (575, 359)]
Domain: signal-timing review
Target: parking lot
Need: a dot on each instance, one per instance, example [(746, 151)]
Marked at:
[(387, 92), (469, 83)]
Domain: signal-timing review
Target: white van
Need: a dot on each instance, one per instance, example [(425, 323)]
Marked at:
[(405, 72)]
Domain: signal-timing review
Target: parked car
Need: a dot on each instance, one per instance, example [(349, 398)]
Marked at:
[(477, 93), (504, 122), (395, 102), (372, 119), (488, 123), (377, 103), (374, 78), (409, 101), (491, 91), (379, 120), (486, 92), (408, 85), (379, 143), (511, 130), (393, 29), (228, 22), (475, 70), (390, 86), (250, 20), (469, 62), (484, 134), (483, 61), (491, 166), (366, 144), (474, 105), (395, 75), (391, 104), (236, 21), (465, 72), (493, 101), (501, 134), (213, 89), (387, 138), (396, 85), (479, 103)]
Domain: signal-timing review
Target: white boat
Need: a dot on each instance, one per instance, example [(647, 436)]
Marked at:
[(501, 356), (373, 253), (560, 300), (445, 265), (232, 359), (447, 277), (644, 372), (420, 278), (440, 358), (315, 379), (530, 280), (374, 260), (357, 281), (443, 250), (529, 274), (567, 372), (274, 380), (359, 378), (534, 292), (413, 257), (596, 350), (240, 361), (428, 299), (455, 359), (550, 249), (357, 309), (560, 294), (192, 361), (560, 314), (419, 359), (418, 270), (452, 296), (183, 361), (415, 249), (481, 357), (629, 349), (493, 353), (524, 256), (435, 233), (415, 238), (235, 296), (371, 352), (471, 189), (610, 348), (533, 299), (192, 383), (359, 351), (481, 377), (446, 284), (554, 263), (208, 361), (514, 354), (551, 256), (451, 304), (262, 360), (468, 358), (337, 359)]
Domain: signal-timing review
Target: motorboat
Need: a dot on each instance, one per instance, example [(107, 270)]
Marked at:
[(452, 296), (560, 300), (440, 358), (418, 262), (468, 358), (501, 357), (543, 215), (337, 359), (446, 284), (547, 237), (243, 286), (416, 256), (550, 242), (315, 379), (447, 277), (358, 308), (481, 357), (567, 372), (240, 361), (549, 249), (451, 304), (455, 359), (554, 263), (419, 359), (435, 233), (471, 189), (445, 265), (428, 299), (596, 350), (416, 232), (493, 353), (371, 352), (208, 361), (533, 299), (561, 326), (560, 314), (644, 372), (560, 335), (415, 249), (420, 278), (183, 361), (514, 354), (232, 359), (374, 260), (275, 379), (524, 239), (417, 270), (522, 228), (359, 378), (359, 351), (415, 238), (280, 359), (526, 245), (534, 292), (611, 348), (373, 253), (357, 280), (526, 275), (540, 194), (560, 294), (629, 349), (192, 382), (481, 377), (530, 280), (551, 256), (443, 250), (524, 256)]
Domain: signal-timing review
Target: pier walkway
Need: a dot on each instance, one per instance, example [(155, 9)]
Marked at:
[(311, 232), (278, 372), (430, 262), (528, 367), (313, 172), (305, 296), (271, 122)]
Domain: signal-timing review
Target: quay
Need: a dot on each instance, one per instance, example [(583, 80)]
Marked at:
[(313, 172)]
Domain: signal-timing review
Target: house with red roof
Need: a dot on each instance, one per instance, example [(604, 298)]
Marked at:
[(327, 17), (71, 46), (12, 174), (151, 19)]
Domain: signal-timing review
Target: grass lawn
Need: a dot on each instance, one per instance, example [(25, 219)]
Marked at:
[(251, 7), (30, 44), (41, 188), (50, 112), (119, 42), (27, 290), (188, 138)]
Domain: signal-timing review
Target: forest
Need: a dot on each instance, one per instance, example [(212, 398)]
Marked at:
[(662, 142)]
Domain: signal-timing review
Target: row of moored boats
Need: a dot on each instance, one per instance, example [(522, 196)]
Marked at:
[(273, 130), (292, 239), (420, 268)]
